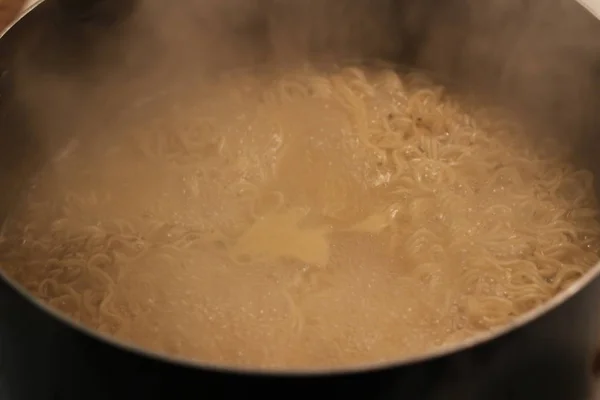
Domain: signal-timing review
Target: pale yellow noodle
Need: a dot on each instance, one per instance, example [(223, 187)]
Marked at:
[(436, 223)]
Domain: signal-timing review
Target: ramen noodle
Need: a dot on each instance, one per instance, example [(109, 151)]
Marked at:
[(304, 220)]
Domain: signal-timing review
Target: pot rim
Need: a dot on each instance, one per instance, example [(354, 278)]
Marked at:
[(474, 341)]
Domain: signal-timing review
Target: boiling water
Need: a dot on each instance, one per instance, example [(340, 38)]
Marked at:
[(303, 220)]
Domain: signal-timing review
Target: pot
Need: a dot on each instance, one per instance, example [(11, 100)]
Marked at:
[(71, 64)]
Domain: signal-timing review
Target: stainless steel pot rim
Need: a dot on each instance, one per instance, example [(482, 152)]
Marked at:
[(593, 6), (474, 341)]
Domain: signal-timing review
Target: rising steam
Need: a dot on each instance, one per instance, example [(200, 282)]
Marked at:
[(82, 61)]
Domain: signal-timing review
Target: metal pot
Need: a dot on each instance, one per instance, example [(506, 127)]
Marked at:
[(539, 59)]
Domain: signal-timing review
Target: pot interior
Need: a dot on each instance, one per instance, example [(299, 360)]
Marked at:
[(81, 70)]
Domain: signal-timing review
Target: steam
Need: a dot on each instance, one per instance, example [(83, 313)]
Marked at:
[(539, 58)]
